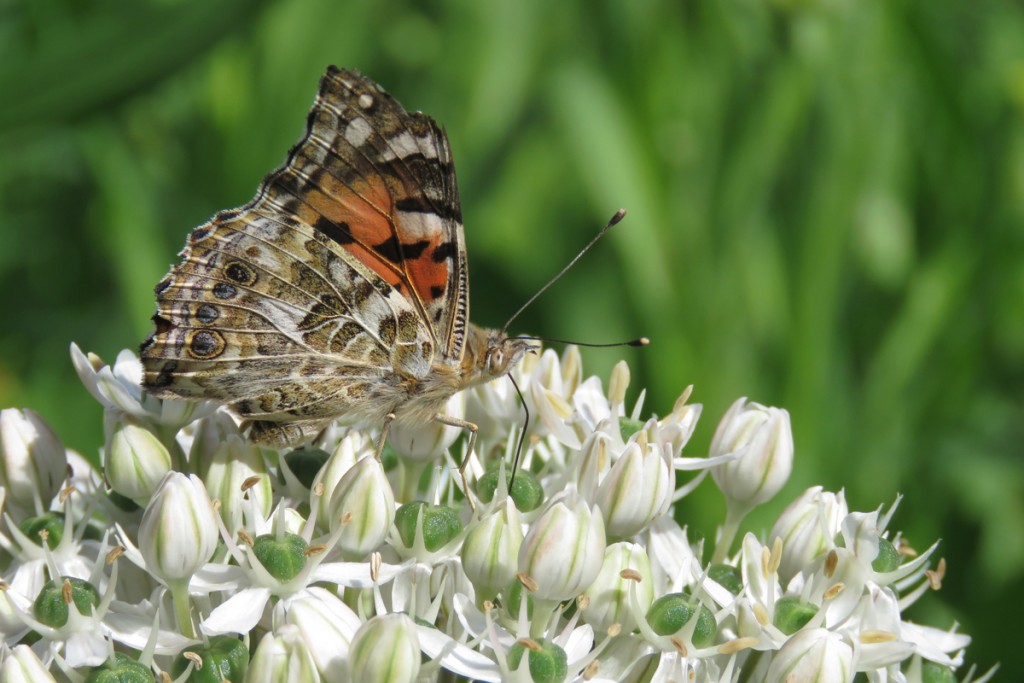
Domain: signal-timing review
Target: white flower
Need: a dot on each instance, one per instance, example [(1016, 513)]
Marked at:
[(807, 528), (282, 656), (564, 550), (32, 462), (327, 626), (135, 461), (625, 579), (491, 549), (21, 665), (813, 656), (237, 476), (178, 533), (119, 389), (385, 650), (763, 438), (638, 488), (364, 505)]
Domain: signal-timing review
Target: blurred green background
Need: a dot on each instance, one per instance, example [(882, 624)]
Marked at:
[(825, 202)]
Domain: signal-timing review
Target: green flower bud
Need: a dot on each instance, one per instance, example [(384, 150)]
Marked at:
[(526, 492), (305, 463), (51, 523), (888, 558), (727, 576), (51, 605), (440, 524), (791, 614), (225, 658), (628, 427), (546, 660), (932, 672), (284, 557), (123, 669), (671, 612)]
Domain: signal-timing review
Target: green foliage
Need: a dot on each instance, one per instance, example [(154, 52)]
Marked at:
[(825, 206)]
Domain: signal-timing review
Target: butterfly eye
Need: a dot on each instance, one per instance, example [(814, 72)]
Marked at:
[(496, 362)]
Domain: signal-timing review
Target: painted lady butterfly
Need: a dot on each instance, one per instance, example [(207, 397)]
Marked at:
[(339, 290)]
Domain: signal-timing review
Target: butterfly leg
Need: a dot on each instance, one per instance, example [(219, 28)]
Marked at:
[(388, 419), (472, 429)]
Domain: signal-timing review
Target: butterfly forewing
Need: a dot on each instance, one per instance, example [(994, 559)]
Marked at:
[(345, 274)]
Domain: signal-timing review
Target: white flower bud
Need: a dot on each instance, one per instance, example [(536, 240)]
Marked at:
[(364, 504), (282, 657), (423, 440), (210, 432), (23, 666), (350, 449), (385, 649), (234, 462), (764, 438), (808, 527), (33, 464), (564, 550), (178, 533), (326, 625), (637, 490), (610, 601), (817, 655), (135, 461), (491, 549)]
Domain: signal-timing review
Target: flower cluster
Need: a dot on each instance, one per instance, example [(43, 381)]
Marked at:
[(195, 555)]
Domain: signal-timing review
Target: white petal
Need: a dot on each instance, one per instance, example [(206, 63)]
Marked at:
[(239, 614)]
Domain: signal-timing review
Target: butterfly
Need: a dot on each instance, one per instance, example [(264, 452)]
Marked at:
[(340, 290)]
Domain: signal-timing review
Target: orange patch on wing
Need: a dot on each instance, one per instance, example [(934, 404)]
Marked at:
[(429, 278), (360, 209)]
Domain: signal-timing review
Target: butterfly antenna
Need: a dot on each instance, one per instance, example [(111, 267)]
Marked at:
[(639, 341), (619, 215), (522, 434)]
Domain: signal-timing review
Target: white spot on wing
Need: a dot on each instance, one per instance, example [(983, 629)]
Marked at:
[(357, 131), (419, 226), (405, 145), (365, 101)]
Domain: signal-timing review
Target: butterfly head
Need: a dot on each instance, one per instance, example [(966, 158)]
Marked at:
[(492, 353), (504, 353)]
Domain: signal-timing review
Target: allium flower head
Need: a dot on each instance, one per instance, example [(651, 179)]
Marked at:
[(330, 562)]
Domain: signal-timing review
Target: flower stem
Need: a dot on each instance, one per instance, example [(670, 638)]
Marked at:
[(542, 611), (409, 474), (727, 533), (183, 608)]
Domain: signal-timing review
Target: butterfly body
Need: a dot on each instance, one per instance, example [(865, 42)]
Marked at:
[(341, 289)]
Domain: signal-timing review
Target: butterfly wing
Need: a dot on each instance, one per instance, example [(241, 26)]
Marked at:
[(345, 272), (380, 182)]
